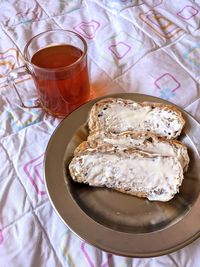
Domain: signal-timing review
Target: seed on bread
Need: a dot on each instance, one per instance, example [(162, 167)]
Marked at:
[(142, 141), (138, 173), (118, 115), (131, 149)]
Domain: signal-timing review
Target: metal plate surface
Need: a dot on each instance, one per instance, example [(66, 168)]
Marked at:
[(115, 222)]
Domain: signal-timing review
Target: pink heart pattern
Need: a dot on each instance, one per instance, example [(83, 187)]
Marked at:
[(33, 170), (89, 259), (88, 29), (188, 12), (167, 80), (1, 237), (120, 49)]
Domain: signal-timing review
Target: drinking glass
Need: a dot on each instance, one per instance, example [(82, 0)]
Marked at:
[(57, 62)]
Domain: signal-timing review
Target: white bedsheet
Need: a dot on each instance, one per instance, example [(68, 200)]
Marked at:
[(143, 46)]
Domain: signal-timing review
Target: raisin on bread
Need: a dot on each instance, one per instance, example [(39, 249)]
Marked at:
[(130, 171), (118, 115), (142, 141)]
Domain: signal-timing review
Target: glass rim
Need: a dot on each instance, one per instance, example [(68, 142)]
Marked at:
[(58, 68)]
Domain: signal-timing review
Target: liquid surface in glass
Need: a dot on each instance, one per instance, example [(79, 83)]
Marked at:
[(61, 78)]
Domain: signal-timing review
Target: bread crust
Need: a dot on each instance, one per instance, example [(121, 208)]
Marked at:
[(95, 123), (98, 144), (98, 138), (85, 149), (135, 194)]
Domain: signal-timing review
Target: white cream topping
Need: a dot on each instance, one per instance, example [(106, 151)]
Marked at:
[(126, 141), (159, 176), (161, 148), (118, 118)]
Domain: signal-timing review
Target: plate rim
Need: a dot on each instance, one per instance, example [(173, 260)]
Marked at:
[(65, 217)]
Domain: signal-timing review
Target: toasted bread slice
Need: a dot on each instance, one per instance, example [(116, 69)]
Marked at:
[(142, 141), (130, 171), (118, 115)]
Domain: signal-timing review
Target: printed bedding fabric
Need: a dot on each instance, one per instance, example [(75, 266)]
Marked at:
[(144, 46)]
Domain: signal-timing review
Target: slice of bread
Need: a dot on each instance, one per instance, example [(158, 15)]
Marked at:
[(146, 142), (130, 171), (118, 115)]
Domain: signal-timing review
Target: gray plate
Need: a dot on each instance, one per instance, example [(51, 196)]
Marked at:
[(115, 222)]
